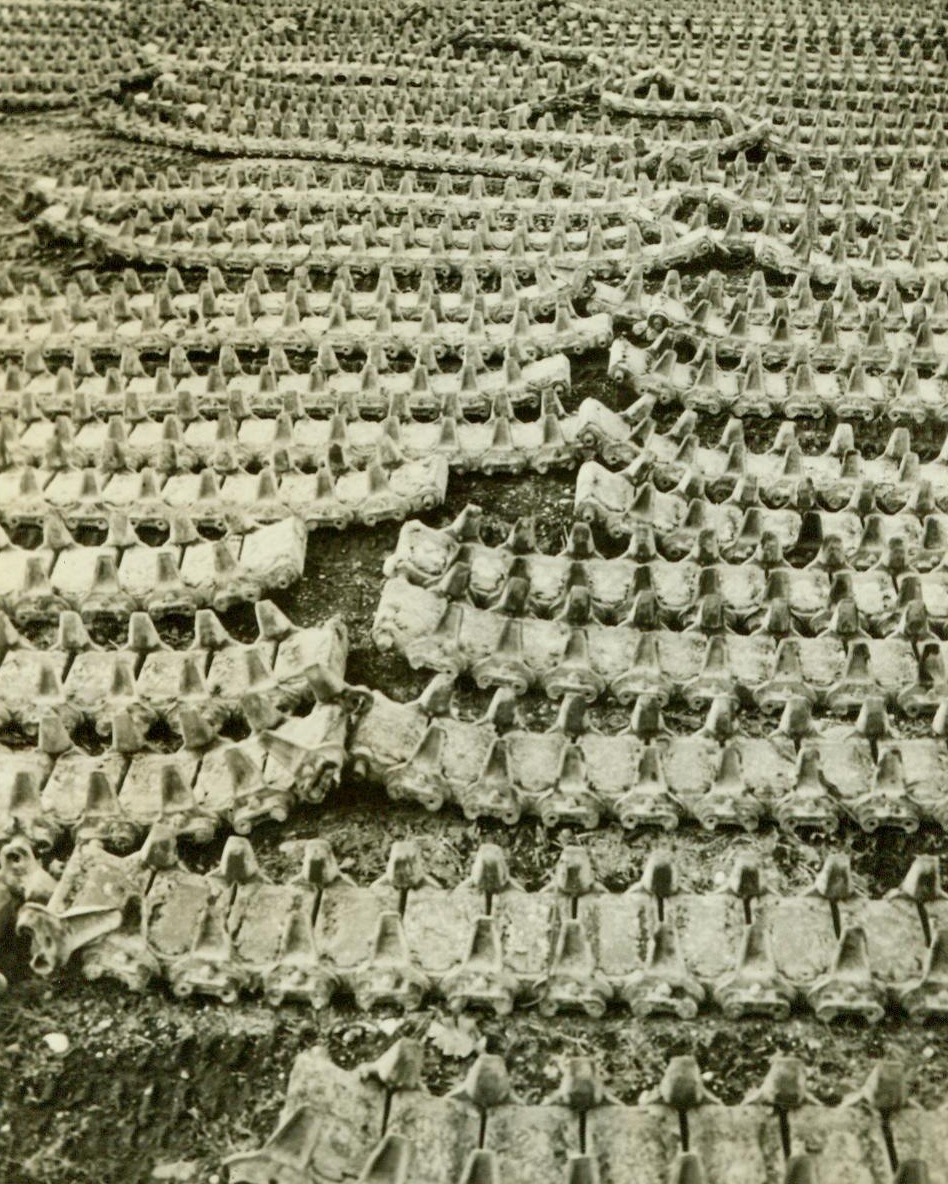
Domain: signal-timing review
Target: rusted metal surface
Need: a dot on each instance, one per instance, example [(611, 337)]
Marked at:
[(382, 1124), (657, 949)]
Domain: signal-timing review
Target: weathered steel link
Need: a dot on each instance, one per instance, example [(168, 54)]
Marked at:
[(124, 575), (59, 789), (291, 322), (33, 392), (501, 443), (622, 502), (59, 61), (656, 949), (835, 671), (281, 494), (288, 685), (381, 1122), (695, 591), (838, 478), (801, 776), (796, 390)]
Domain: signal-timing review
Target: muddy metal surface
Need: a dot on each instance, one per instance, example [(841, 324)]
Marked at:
[(156, 1088)]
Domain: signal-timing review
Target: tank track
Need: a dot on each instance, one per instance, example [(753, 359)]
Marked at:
[(657, 949)]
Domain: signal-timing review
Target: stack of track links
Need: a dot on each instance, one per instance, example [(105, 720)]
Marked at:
[(686, 266)]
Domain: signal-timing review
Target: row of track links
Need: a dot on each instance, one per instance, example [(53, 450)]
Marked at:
[(382, 1120), (657, 949)]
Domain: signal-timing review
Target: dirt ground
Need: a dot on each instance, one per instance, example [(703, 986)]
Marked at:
[(153, 1087)]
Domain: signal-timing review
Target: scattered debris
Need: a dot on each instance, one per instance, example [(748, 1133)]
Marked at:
[(57, 1042), (457, 1038)]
